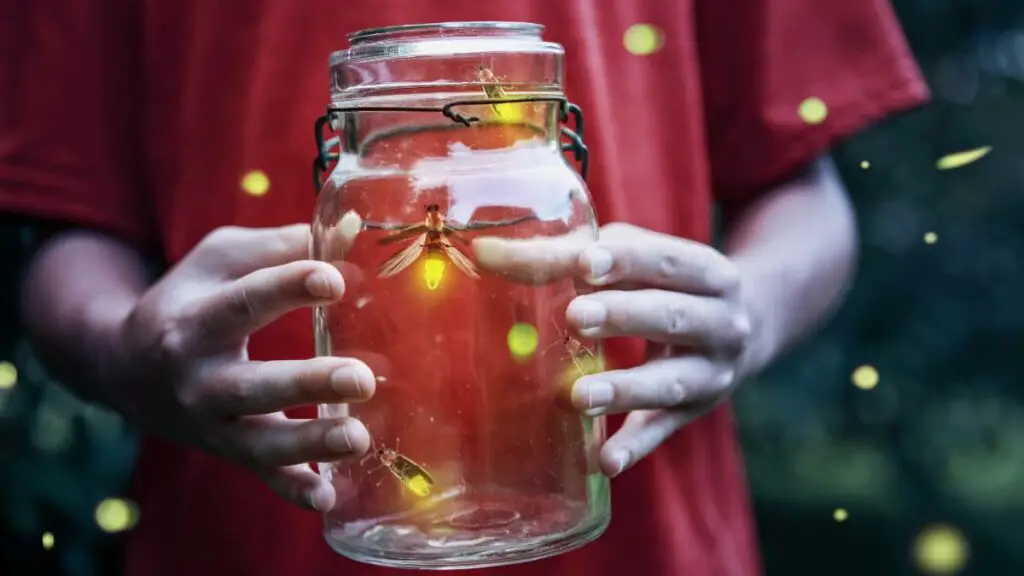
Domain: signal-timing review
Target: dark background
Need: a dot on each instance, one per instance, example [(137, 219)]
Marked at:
[(932, 458)]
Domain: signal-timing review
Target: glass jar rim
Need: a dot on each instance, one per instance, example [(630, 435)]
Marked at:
[(444, 39), (371, 34)]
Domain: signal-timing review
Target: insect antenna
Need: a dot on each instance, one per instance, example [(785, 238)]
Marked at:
[(564, 337)]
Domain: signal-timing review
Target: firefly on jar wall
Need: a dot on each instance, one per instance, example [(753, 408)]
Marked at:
[(509, 113), (434, 236), (413, 477), (584, 359)]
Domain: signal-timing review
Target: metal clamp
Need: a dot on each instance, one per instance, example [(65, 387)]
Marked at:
[(324, 146)]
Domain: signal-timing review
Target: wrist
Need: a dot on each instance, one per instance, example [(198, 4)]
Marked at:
[(103, 320)]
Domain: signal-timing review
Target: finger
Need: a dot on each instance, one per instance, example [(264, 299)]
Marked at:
[(245, 305), (627, 254), (659, 384), (233, 251), (641, 432), (247, 388), (532, 260), (262, 442), (302, 486), (660, 316)]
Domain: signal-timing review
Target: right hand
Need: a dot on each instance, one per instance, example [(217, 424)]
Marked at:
[(182, 355)]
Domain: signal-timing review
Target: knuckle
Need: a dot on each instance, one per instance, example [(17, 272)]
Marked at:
[(733, 336), (222, 236), (233, 393), (741, 326), (172, 343), (671, 392), (677, 320), (669, 266), (241, 304), (192, 396), (618, 228)]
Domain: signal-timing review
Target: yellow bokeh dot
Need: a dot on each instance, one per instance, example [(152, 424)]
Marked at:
[(940, 549), (931, 238), (47, 540), (643, 39), (8, 375), (865, 164), (255, 183), (963, 158), (840, 514), (865, 377), (116, 515), (522, 340), (813, 111)]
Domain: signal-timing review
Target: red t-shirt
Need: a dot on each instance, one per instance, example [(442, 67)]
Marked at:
[(141, 119)]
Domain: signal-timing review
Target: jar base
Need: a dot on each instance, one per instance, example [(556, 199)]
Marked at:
[(480, 534)]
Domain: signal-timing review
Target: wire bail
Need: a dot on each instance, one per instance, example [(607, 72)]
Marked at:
[(573, 137)]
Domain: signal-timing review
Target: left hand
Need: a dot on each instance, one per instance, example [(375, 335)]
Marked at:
[(682, 296)]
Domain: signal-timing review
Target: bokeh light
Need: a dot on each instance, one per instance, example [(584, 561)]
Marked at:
[(8, 375), (962, 158), (864, 164), (840, 514), (865, 377), (255, 183), (813, 111), (116, 515), (47, 540), (940, 550), (931, 237), (522, 340), (643, 39), (582, 365)]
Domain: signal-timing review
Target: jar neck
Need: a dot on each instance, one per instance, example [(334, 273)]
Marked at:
[(408, 93), (403, 140)]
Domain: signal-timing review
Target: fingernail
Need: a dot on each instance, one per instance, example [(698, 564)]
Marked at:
[(319, 499), (358, 374), (600, 262), (339, 440), (318, 285), (621, 460), (742, 324), (587, 313), (598, 396)]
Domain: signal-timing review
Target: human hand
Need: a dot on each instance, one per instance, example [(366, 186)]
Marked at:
[(681, 296), (183, 363)]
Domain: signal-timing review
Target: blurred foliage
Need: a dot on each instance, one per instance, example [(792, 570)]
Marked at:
[(938, 440)]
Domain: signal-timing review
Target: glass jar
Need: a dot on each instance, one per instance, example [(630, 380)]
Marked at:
[(456, 218)]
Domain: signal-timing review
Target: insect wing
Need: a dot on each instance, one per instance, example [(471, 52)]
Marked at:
[(403, 259), (461, 261), (413, 476), (406, 468), (370, 225), (402, 234), (490, 224)]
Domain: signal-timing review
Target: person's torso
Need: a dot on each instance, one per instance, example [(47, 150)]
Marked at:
[(233, 88)]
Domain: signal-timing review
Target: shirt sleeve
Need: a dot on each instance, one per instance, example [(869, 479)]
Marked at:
[(70, 126), (762, 60)]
